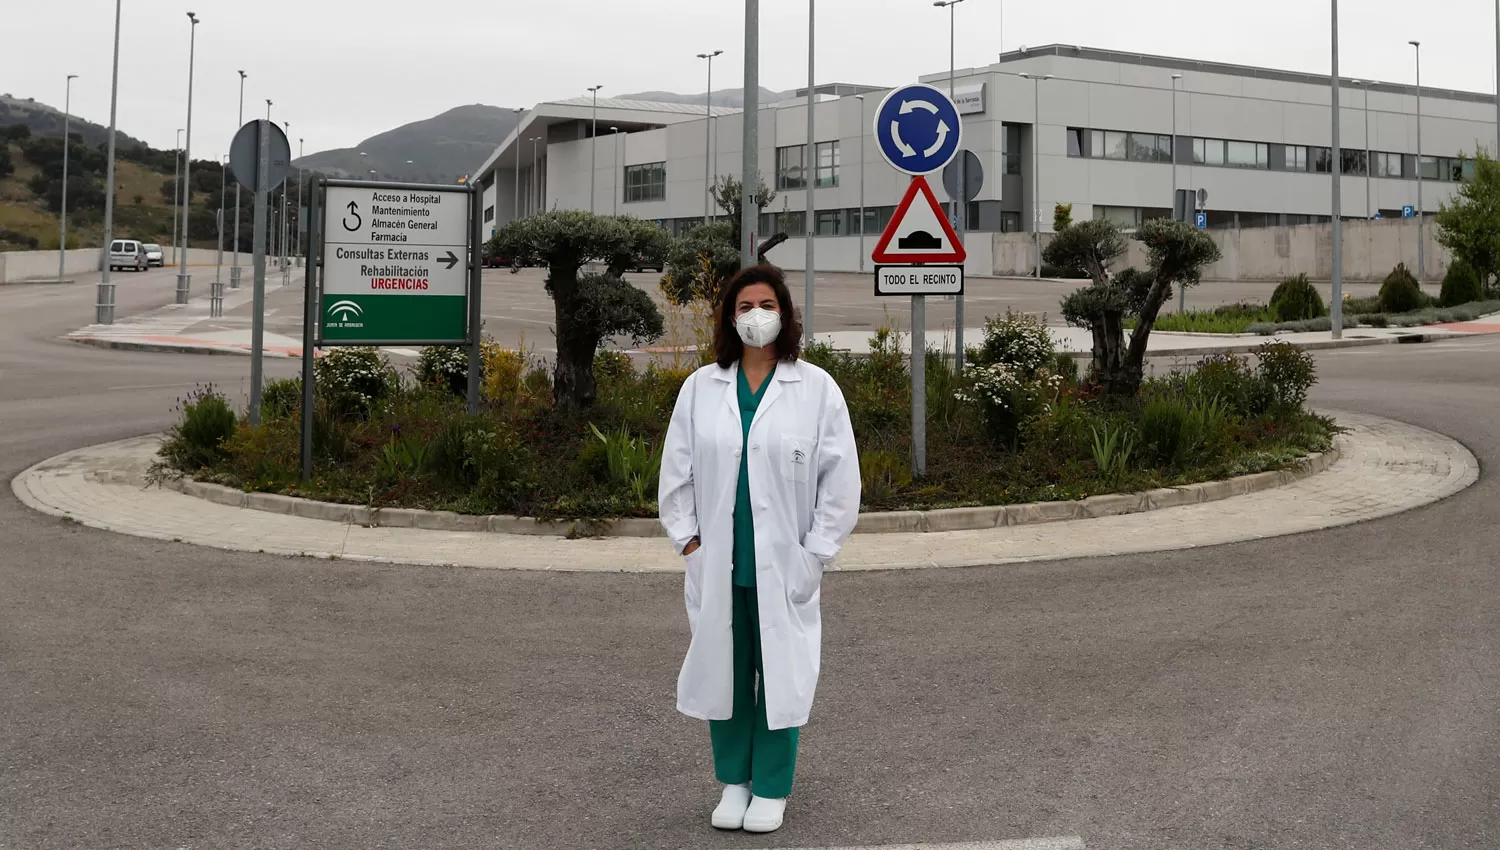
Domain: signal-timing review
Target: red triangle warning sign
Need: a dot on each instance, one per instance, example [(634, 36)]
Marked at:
[(919, 231)]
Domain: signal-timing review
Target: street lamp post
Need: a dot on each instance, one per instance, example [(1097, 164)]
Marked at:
[(1181, 290), (750, 146), (298, 251), (960, 202), (62, 225), (809, 164), (1421, 227), (708, 137), (861, 99), (234, 270), (1036, 169), (176, 191), (1336, 309), (515, 200), (184, 280), (104, 304), (216, 292), (616, 169), (286, 229), (594, 143)]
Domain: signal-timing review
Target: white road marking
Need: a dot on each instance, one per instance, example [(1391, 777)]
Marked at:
[(1071, 842), (404, 352)]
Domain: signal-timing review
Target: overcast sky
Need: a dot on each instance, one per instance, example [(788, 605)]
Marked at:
[(341, 70)]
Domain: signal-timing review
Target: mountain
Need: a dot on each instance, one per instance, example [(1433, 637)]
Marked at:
[(45, 120), (440, 149), (723, 97)]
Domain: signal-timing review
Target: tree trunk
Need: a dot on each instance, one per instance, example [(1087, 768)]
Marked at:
[(1111, 365), (573, 386)]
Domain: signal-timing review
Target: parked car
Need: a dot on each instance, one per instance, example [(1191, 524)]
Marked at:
[(494, 261), (643, 265), (154, 256), (127, 254)]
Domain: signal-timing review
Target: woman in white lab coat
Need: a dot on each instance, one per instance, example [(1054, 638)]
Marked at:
[(759, 489)]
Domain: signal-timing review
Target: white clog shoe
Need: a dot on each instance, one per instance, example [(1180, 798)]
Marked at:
[(730, 813), (764, 814)]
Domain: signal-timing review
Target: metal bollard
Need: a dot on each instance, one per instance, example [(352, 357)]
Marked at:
[(234, 278), (184, 283), (216, 300)]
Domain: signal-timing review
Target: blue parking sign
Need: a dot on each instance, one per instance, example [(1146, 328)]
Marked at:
[(1201, 219), (1408, 211)]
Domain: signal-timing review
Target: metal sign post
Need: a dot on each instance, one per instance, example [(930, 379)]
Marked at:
[(310, 332), (259, 156), (918, 131)]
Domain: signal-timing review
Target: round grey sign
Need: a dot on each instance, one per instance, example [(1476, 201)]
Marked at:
[(973, 175), (244, 155)]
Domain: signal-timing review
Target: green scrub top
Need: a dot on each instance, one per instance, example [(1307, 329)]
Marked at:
[(744, 520)]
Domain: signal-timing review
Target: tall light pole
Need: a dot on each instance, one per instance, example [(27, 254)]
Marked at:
[(809, 164), (861, 99), (1336, 167), (223, 188), (536, 179), (960, 202), (616, 169), (176, 191), (104, 304), (234, 270), (1421, 227), (1036, 168), (1369, 155), (594, 143), (1181, 290), (750, 147), (298, 250), (62, 219), (184, 280), (286, 228), (708, 137), (515, 201)]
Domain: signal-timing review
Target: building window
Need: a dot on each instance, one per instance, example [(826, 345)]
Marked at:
[(1075, 142), (792, 223), (1353, 162), (1388, 164), (1322, 160), (1148, 147), (489, 213), (1132, 147), (828, 165), (1010, 222), (647, 182), (1296, 157), (830, 223), (1231, 153), (791, 167), (1126, 218)]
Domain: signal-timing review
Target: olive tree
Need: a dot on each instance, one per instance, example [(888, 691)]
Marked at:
[(588, 308), (1177, 253), (1469, 225)]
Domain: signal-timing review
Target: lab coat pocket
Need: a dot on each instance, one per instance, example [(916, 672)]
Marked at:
[(806, 578), (796, 457), (692, 589)]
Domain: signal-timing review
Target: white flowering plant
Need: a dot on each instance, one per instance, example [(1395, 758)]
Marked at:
[(1017, 340), (1010, 376), (356, 378)]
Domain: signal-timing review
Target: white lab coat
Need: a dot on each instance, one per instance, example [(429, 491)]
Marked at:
[(804, 489)]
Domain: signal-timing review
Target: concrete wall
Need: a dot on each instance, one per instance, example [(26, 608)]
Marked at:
[(1371, 250), (18, 266)]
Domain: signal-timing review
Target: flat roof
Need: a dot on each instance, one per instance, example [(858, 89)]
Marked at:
[(1205, 66)]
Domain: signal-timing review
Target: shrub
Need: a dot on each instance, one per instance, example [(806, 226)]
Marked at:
[(1358, 306), (1224, 319), (1231, 380), (1006, 397), (1400, 292), (1061, 273), (1164, 429), (1295, 299), (1289, 372), (281, 399), (883, 475), (631, 461), (1112, 447), (611, 365), (1017, 340), (1460, 286), (355, 379), (197, 440), (446, 366), (504, 369)]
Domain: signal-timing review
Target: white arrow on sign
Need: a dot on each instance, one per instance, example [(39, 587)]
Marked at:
[(942, 137), (906, 150), (908, 105)]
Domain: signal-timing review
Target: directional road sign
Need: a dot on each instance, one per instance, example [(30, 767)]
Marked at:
[(919, 231), (917, 129), (395, 264), (919, 280)]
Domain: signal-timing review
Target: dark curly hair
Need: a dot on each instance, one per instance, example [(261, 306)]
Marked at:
[(728, 348)]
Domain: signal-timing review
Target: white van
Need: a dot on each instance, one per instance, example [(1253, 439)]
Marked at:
[(127, 254)]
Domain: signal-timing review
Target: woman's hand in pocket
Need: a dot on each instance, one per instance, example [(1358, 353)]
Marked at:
[(691, 547)]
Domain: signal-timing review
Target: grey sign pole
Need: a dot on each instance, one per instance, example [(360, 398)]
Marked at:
[(258, 298), (918, 385), (311, 310), (476, 320), (750, 150)]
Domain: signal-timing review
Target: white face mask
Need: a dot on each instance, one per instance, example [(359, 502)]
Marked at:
[(759, 327)]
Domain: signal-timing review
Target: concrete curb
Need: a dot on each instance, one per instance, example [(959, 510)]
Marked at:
[(896, 522), (163, 347)]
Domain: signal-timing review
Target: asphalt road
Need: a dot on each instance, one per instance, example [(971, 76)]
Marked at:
[(1335, 690)]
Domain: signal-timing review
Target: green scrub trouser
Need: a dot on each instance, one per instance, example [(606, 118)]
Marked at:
[(745, 750)]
